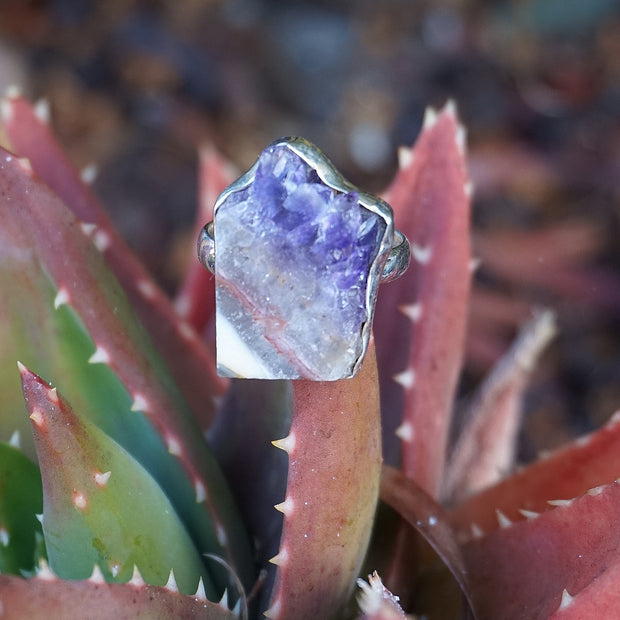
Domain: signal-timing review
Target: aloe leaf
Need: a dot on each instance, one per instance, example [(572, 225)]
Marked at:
[(46, 596), (21, 499), (100, 506), (487, 444), (587, 462), (191, 364), (67, 292), (334, 449), (419, 357), (522, 569)]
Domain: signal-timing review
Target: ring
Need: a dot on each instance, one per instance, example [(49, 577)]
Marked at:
[(298, 254)]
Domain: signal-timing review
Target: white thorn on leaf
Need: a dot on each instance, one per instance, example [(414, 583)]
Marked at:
[(4, 537), (52, 396), (274, 610), (286, 443), (102, 240), (281, 558), (422, 254), (405, 432), (529, 514), (594, 491), (42, 110), (38, 418), (461, 139), (139, 403), (200, 594), (44, 572), (236, 610), (174, 446), (476, 530), (412, 311), (186, 331), (450, 108), (79, 500), (88, 228), (222, 537), (147, 288), (469, 189), (96, 576), (567, 599), (406, 378), (559, 502), (223, 602), (100, 356), (136, 578), (286, 507), (101, 479), (15, 440), (89, 173), (39, 517), (201, 491), (405, 156), (62, 298), (430, 118), (474, 264), (502, 519), (13, 91), (171, 584), (24, 164)]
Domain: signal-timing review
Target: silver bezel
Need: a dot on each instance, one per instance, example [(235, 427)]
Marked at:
[(326, 171)]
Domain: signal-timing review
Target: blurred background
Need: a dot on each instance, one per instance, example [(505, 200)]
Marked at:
[(136, 87)]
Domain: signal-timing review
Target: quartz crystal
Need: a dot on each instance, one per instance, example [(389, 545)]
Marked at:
[(293, 258)]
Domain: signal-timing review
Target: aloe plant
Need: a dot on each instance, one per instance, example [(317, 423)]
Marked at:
[(136, 483)]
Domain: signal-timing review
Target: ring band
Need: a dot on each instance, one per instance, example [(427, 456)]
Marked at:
[(298, 254)]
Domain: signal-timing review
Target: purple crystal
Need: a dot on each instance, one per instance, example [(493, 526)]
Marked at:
[(293, 259)]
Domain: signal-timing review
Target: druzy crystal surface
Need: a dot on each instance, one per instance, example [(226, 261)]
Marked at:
[(293, 256)]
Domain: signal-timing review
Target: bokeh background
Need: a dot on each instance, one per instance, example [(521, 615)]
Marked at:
[(137, 87)]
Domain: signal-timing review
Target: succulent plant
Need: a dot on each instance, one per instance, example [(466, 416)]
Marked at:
[(136, 483)]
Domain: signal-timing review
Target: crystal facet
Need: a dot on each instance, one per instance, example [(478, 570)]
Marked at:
[(297, 259)]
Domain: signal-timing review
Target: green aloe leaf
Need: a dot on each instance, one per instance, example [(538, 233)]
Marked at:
[(21, 499), (101, 507), (70, 321)]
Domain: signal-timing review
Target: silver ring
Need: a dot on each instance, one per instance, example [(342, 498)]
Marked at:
[(298, 254)]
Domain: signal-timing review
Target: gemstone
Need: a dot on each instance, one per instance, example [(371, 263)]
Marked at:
[(295, 262)]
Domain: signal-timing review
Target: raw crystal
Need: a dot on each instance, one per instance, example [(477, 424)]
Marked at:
[(293, 257)]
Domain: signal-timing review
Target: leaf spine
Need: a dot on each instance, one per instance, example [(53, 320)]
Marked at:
[(406, 378), (89, 173), (502, 519), (96, 576), (200, 595), (100, 356), (412, 311), (44, 572), (171, 584), (567, 599), (286, 507), (405, 432), (287, 443), (101, 479), (62, 298), (201, 491), (136, 578), (15, 440)]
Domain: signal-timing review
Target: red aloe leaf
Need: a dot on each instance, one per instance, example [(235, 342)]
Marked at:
[(486, 446), (600, 599), (195, 300), (190, 362), (427, 307), (334, 449), (426, 516), (586, 463), (47, 596), (522, 570)]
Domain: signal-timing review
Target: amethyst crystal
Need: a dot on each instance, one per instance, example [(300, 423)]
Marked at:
[(293, 257)]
